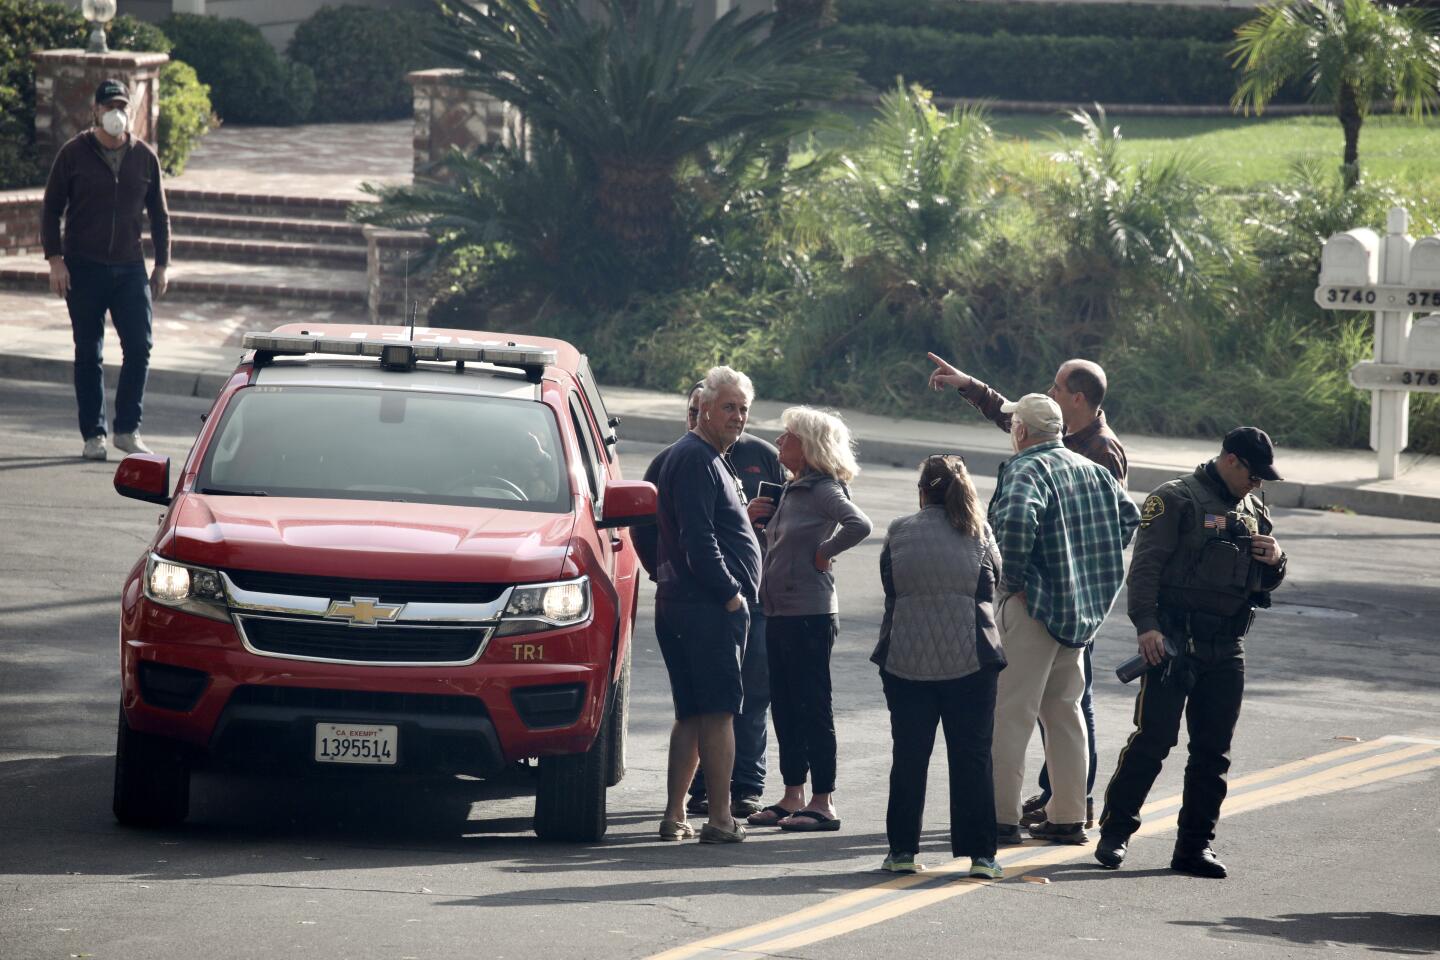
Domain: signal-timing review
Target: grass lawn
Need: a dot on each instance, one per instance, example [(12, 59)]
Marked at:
[(1243, 152)]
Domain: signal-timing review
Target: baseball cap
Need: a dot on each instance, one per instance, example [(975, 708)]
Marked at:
[(1038, 412), (111, 90), (1253, 445)]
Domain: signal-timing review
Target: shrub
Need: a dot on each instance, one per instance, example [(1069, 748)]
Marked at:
[(25, 27), (1065, 69), (248, 81), (360, 56), (1051, 19), (185, 115)]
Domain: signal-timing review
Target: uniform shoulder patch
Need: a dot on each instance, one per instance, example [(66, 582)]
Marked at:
[(1153, 507)]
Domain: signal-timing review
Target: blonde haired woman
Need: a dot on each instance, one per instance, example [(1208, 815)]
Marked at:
[(813, 523)]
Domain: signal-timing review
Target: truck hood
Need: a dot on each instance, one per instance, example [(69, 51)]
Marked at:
[(369, 540)]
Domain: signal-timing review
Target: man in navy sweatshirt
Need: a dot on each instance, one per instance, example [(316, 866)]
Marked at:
[(707, 574)]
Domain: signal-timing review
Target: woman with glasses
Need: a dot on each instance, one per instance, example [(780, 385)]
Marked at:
[(939, 654)]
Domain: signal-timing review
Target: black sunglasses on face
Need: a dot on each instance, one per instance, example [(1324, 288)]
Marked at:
[(1254, 477)]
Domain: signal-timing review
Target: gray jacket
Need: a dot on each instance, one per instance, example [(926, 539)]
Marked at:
[(939, 621), (814, 514)]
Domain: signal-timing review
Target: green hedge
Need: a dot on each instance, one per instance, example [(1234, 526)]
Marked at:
[(360, 56), (1050, 19), (249, 82), (1068, 69), (25, 27)]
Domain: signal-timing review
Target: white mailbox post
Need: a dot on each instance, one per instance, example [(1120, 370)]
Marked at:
[(1395, 277)]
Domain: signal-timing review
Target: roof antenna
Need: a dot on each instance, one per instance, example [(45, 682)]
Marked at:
[(413, 306)]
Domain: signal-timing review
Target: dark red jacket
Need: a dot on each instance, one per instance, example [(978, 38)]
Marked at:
[(102, 211)]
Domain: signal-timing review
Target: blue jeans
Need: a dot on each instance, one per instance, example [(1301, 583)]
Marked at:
[(751, 735), (123, 291), (1087, 707)]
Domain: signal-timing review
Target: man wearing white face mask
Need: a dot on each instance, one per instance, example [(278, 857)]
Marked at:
[(103, 182)]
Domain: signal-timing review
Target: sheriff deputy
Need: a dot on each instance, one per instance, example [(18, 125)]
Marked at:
[(1204, 560)]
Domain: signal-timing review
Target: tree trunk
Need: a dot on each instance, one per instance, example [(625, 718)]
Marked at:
[(817, 13), (1347, 107), (635, 207)]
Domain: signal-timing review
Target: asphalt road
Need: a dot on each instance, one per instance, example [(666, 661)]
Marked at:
[(1341, 854)]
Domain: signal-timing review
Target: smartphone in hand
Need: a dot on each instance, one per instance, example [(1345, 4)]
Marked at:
[(770, 490)]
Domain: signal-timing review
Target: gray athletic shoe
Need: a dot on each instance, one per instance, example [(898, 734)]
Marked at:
[(95, 448), (131, 443)]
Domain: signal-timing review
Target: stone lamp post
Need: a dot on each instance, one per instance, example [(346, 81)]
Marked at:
[(98, 13)]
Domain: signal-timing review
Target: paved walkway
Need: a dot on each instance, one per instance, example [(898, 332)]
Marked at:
[(313, 160), (197, 345)]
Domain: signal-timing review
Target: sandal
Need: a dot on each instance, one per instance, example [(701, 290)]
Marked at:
[(810, 821), (770, 816)]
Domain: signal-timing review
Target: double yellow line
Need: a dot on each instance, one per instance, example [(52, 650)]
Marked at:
[(1343, 769)]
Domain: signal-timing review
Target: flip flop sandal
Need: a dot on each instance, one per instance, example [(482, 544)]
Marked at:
[(810, 821), (770, 816)]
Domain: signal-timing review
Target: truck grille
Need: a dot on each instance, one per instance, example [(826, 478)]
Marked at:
[(319, 640), (389, 591)]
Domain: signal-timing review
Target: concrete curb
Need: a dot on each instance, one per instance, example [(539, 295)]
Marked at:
[(646, 428)]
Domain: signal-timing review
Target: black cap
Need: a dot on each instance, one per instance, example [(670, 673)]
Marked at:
[(111, 90), (1253, 445)]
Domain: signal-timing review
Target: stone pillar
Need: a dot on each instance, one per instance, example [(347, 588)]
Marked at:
[(450, 115), (20, 221), (65, 82), (386, 274)]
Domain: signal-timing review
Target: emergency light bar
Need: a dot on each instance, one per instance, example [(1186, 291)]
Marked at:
[(402, 354)]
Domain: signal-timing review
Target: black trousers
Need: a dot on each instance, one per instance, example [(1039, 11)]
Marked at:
[(966, 709), (1211, 708), (799, 653)]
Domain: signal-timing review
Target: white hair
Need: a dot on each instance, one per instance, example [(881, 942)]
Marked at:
[(719, 377), (825, 441)]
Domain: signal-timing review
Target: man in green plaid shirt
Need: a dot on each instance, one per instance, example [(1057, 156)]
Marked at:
[(1062, 524)]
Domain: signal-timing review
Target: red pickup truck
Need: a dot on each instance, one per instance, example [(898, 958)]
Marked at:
[(389, 552)]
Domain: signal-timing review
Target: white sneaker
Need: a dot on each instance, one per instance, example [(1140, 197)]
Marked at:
[(131, 443), (95, 448)]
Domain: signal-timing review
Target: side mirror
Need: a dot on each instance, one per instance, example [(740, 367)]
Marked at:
[(628, 503), (144, 476)]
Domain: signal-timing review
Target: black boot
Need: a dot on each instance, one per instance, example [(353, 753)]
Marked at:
[(1198, 863), (1110, 851)]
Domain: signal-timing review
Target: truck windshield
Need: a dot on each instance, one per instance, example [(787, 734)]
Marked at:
[(369, 444)]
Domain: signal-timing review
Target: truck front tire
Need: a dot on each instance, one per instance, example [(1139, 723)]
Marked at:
[(152, 779), (570, 797)]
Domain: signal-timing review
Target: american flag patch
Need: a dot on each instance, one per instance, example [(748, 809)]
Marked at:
[(1214, 521)]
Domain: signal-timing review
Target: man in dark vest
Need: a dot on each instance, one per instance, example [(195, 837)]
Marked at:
[(1204, 560)]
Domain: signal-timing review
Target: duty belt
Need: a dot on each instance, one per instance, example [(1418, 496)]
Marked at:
[(1210, 626)]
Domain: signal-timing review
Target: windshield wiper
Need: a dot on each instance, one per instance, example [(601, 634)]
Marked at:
[(224, 492)]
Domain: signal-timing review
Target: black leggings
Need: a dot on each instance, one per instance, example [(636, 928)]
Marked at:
[(799, 653)]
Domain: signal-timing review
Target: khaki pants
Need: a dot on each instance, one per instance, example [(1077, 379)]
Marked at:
[(1044, 680)]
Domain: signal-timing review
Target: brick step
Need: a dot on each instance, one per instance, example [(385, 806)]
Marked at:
[(280, 253), (220, 280), (192, 200), (286, 230)]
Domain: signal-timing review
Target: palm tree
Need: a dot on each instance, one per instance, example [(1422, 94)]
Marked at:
[(633, 95), (919, 191), (1348, 53), (1130, 229)]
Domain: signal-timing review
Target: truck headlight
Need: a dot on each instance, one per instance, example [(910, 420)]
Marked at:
[(181, 586), (537, 607)]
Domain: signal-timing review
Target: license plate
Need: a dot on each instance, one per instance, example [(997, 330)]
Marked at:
[(356, 743)]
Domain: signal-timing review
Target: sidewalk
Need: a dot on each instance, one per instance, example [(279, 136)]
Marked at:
[(196, 347)]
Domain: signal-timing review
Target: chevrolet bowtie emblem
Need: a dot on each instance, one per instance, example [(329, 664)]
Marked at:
[(363, 611)]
